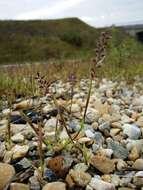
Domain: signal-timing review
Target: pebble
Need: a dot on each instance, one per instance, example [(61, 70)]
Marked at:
[(92, 115), (103, 164), (118, 150), (60, 165), (89, 133), (81, 166), (17, 138), (140, 121), (134, 154), (132, 131), (99, 139), (25, 104), (34, 183), (50, 125), (75, 108), (19, 186), (55, 186), (138, 164), (121, 165), (105, 128), (19, 151), (100, 184), (80, 177), (7, 172), (7, 157), (49, 175), (138, 179), (22, 165)]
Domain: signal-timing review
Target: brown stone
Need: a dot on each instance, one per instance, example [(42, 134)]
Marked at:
[(55, 186), (103, 164), (59, 165), (6, 174)]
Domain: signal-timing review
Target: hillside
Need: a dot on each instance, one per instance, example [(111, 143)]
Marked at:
[(22, 41), (40, 40)]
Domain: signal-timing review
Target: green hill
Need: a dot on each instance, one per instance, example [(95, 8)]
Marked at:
[(40, 40)]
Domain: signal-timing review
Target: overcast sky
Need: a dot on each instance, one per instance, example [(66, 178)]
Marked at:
[(94, 12)]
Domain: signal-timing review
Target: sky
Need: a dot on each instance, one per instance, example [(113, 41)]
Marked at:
[(95, 12)]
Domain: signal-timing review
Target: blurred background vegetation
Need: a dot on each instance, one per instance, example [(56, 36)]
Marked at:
[(55, 46)]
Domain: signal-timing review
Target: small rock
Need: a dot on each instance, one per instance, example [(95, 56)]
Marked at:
[(60, 165), (64, 135), (25, 104), (105, 128), (75, 108), (125, 181), (7, 157), (106, 152), (50, 125), (50, 176), (19, 151), (92, 115), (132, 131), (55, 186), (100, 184), (103, 164), (118, 150), (70, 181), (134, 154), (95, 148), (115, 179), (19, 186), (138, 179), (116, 125), (34, 183), (114, 131), (85, 140), (106, 178), (80, 177), (138, 164), (135, 143), (22, 165), (74, 125), (18, 138), (7, 172), (95, 125), (89, 133), (81, 167), (121, 165), (2, 150), (140, 121), (99, 139)]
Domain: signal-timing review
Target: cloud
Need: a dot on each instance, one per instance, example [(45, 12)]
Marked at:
[(50, 11)]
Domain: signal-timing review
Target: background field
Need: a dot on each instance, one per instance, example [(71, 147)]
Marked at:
[(53, 47)]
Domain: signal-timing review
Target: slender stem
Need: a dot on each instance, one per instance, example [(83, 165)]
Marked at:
[(72, 91), (41, 155), (86, 106), (88, 98), (56, 129)]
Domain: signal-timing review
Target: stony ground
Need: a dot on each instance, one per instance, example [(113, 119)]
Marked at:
[(106, 155)]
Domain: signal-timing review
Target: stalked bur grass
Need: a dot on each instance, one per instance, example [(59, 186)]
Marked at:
[(100, 53)]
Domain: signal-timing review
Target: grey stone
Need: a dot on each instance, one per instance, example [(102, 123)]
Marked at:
[(118, 150), (132, 131)]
